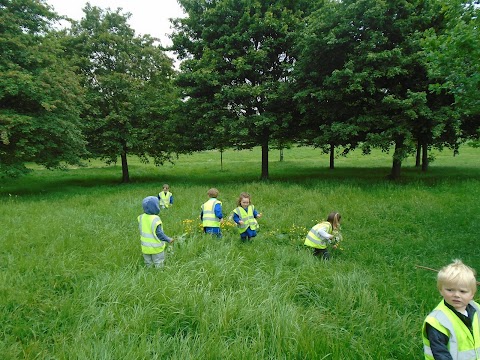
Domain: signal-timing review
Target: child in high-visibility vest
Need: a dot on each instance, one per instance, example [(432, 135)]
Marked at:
[(153, 240), (452, 329), (321, 235), (165, 197), (211, 214), (245, 217)]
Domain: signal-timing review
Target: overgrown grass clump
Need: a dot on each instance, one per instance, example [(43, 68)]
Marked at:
[(73, 284)]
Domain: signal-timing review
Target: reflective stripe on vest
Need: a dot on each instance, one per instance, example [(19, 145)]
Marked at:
[(461, 344), (165, 198), (247, 218), (209, 218), (314, 240), (149, 241)]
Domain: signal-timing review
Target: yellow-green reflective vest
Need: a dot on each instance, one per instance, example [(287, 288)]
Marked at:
[(461, 343), (164, 199), (247, 218), (314, 239), (151, 244), (209, 218)]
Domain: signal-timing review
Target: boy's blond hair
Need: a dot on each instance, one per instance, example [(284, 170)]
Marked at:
[(212, 193), (457, 273)]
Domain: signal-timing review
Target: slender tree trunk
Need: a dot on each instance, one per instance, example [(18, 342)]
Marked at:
[(221, 159), (265, 138), (418, 154), (424, 157), (281, 155), (125, 174), (332, 156)]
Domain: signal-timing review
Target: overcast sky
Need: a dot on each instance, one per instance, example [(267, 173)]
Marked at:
[(148, 16)]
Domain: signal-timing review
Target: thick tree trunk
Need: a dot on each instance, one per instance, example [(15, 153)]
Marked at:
[(424, 157), (332, 156), (396, 169), (397, 162), (125, 174)]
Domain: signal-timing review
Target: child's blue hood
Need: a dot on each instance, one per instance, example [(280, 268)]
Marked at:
[(151, 205)]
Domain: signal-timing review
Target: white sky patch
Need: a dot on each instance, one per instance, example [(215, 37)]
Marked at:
[(148, 17)]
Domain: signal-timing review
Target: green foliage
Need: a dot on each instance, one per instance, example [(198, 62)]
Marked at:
[(362, 78), (237, 60), (453, 54), (40, 95), (129, 88), (74, 284), (356, 70)]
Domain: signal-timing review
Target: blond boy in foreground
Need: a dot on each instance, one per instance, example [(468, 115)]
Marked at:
[(452, 330)]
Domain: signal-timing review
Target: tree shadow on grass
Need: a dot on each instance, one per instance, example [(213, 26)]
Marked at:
[(76, 181)]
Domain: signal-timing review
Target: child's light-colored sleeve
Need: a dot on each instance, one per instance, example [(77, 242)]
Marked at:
[(323, 234)]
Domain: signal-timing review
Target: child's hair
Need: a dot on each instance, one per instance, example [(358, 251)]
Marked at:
[(459, 273), (334, 219), (213, 193), (243, 195)]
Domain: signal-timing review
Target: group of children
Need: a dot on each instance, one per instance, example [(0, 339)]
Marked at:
[(153, 239), (244, 215), (450, 332)]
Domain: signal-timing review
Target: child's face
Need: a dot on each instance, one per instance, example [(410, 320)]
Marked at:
[(457, 296), (165, 188), (245, 202)]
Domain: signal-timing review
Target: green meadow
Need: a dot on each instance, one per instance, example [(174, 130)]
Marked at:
[(73, 284)]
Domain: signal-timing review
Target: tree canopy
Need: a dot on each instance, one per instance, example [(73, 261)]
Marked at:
[(337, 75), (362, 78), (128, 83), (41, 98), (453, 52), (236, 59)]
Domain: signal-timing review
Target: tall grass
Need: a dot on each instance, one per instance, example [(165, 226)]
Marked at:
[(73, 284)]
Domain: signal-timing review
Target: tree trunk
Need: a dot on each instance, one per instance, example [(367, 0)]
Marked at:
[(125, 175), (281, 155), (264, 175), (332, 156), (417, 156), (396, 167), (397, 160), (424, 157), (221, 160)]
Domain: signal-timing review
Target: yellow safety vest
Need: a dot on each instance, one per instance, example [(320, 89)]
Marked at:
[(461, 343), (165, 198), (150, 243), (247, 218), (314, 240), (209, 218)]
